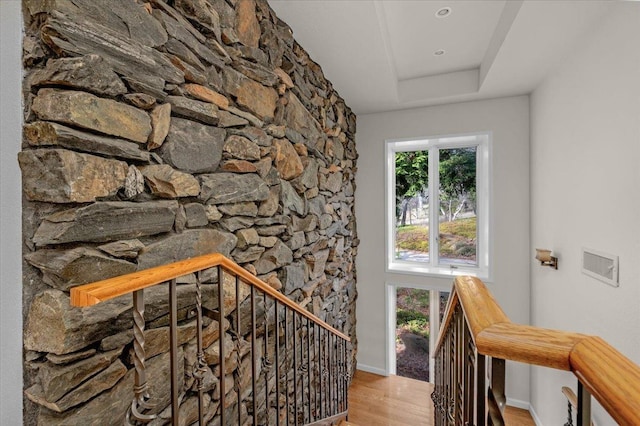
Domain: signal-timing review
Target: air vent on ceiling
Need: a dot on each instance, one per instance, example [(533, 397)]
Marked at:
[(601, 266)]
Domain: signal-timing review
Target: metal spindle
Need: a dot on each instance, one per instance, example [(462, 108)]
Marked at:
[(141, 387), (327, 373), (266, 361), (584, 406), (238, 357), (331, 373), (338, 378), (173, 344), (319, 364), (221, 335), (254, 384), (277, 355), (480, 397), (309, 367), (287, 363), (345, 383), (200, 366), (341, 375), (295, 369)]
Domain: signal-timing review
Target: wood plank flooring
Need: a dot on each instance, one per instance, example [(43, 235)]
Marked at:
[(398, 401)]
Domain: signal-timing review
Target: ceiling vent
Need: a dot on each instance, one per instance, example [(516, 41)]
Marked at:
[(601, 266)]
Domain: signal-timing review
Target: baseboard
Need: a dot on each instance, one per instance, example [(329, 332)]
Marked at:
[(518, 404), (535, 417), (374, 370)]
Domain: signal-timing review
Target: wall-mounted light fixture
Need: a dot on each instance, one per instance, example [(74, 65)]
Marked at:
[(545, 258)]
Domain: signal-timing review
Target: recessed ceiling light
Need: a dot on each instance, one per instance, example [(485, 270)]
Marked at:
[(439, 52), (443, 12)]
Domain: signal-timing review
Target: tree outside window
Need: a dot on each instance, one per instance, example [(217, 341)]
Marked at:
[(438, 185)]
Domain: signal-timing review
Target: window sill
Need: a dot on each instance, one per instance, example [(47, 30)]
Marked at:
[(443, 271)]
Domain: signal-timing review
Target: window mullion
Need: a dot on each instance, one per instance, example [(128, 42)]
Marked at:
[(434, 206)]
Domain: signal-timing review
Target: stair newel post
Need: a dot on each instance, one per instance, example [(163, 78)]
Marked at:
[(141, 388)]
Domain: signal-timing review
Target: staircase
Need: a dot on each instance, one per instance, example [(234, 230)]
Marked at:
[(255, 357), (475, 340)]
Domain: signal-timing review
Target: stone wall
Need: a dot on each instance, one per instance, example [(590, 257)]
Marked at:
[(159, 131)]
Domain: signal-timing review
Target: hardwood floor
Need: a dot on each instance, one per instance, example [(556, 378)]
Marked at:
[(380, 401), (397, 401)]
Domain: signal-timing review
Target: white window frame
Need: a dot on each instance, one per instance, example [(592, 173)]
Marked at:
[(391, 305), (482, 141)]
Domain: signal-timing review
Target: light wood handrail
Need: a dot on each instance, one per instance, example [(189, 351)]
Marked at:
[(100, 291), (612, 378)]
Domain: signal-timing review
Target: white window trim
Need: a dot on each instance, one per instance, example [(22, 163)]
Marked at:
[(483, 208), (391, 317)]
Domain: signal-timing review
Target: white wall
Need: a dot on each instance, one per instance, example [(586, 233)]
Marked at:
[(10, 215), (585, 188), (508, 119)]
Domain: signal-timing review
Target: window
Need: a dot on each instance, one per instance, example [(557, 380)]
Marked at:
[(438, 205)]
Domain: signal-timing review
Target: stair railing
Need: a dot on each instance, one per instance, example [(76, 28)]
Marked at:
[(476, 338), (294, 371)]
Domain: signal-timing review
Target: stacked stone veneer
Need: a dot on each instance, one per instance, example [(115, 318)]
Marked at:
[(159, 131)]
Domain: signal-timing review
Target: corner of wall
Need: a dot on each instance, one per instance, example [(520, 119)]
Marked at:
[(10, 216)]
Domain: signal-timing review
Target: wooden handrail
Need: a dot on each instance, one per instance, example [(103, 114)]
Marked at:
[(612, 378), (100, 291)]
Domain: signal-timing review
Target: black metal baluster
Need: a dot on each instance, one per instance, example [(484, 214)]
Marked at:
[(287, 363), (140, 401), (304, 368), (173, 344), (318, 361), (277, 355), (295, 368), (480, 398), (254, 383), (199, 367), (266, 361), (345, 383), (340, 379), (325, 371), (221, 336), (238, 356), (330, 374), (309, 367), (320, 374), (336, 373)]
